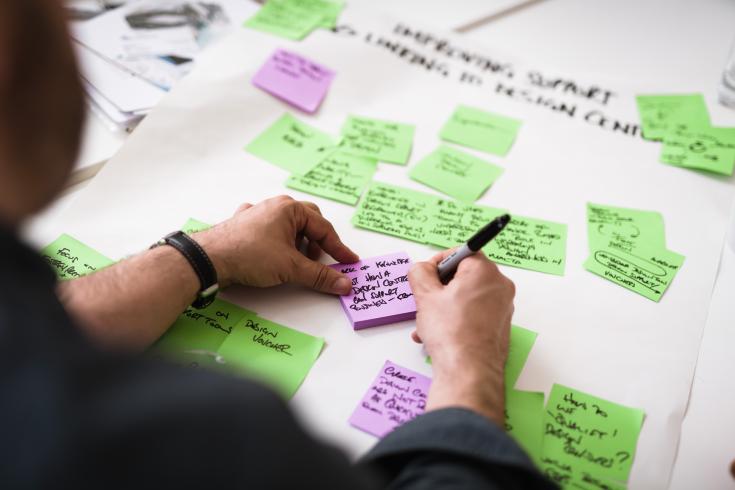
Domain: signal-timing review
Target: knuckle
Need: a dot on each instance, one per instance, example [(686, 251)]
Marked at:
[(320, 280)]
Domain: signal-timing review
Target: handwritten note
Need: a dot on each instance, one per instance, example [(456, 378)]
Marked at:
[(394, 211), (624, 228), (294, 79), (385, 141), (704, 148), (380, 291), (627, 247), (532, 244), (292, 145), (70, 258), (279, 356), (527, 243), (662, 114), (481, 130), (285, 18), (456, 173), (586, 435), (194, 226), (524, 417), (340, 176), (200, 330), (396, 396), (646, 273), (452, 223)]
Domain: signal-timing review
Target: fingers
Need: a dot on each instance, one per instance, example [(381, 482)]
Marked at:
[(319, 277), (317, 229), (442, 255), (424, 277), (416, 338), (314, 251)]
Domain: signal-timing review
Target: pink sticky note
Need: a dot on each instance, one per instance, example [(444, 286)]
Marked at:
[(396, 396), (294, 79), (380, 291)]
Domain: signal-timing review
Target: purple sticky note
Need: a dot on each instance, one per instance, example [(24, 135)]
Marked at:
[(294, 79), (380, 291), (396, 396)]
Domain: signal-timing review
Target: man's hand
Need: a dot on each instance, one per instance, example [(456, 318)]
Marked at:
[(465, 327), (259, 246)]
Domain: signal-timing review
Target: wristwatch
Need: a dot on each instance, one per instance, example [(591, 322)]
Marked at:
[(200, 262)]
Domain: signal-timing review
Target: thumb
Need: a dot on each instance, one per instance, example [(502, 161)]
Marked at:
[(424, 277), (318, 276)]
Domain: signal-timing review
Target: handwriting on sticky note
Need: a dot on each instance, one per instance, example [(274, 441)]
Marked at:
[(294, 79), (532, 244), (628, 247), (275, 354), (624, 228), (648, 273), (285, 18), (394, 210), (200, 330), (292, 145), (481, 130), (396, 396), (661, 114), (381, 293), (70, 258), (339, 176), (451, 223), (710, 149), (583, 433), (385, 141), (456, 173)]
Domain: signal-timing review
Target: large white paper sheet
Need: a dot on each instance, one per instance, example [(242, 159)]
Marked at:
[(187, 159)]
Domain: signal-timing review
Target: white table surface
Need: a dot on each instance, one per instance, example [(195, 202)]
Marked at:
[(665, 45)]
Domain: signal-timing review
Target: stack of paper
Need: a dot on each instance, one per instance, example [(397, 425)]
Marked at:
[(130, 56)]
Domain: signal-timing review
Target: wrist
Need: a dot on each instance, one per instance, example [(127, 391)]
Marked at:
[(217, 254), (477, 386)]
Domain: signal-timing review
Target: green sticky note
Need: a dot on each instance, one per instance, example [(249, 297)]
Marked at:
[(524, 415), (532, 244), (193, 226), (275, 354), (340, 176), (661, 114), (385, 141), (451, 223), (329, 10), (200, 330), (648, 273), (589, 434), (285, 18), (519, 347), (292, 145), (70, 258), (394, 211), (481, 130), (456, 173), (624, 228), (705, 148)]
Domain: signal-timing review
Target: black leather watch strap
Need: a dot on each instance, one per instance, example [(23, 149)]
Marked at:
[(200, 262)]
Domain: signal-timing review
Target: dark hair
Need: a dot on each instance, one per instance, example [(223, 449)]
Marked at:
[(41, 101)]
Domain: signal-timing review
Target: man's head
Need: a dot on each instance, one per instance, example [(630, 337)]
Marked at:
[(41, 106)]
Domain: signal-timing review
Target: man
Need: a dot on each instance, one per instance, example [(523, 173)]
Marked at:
[(79, 409)]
